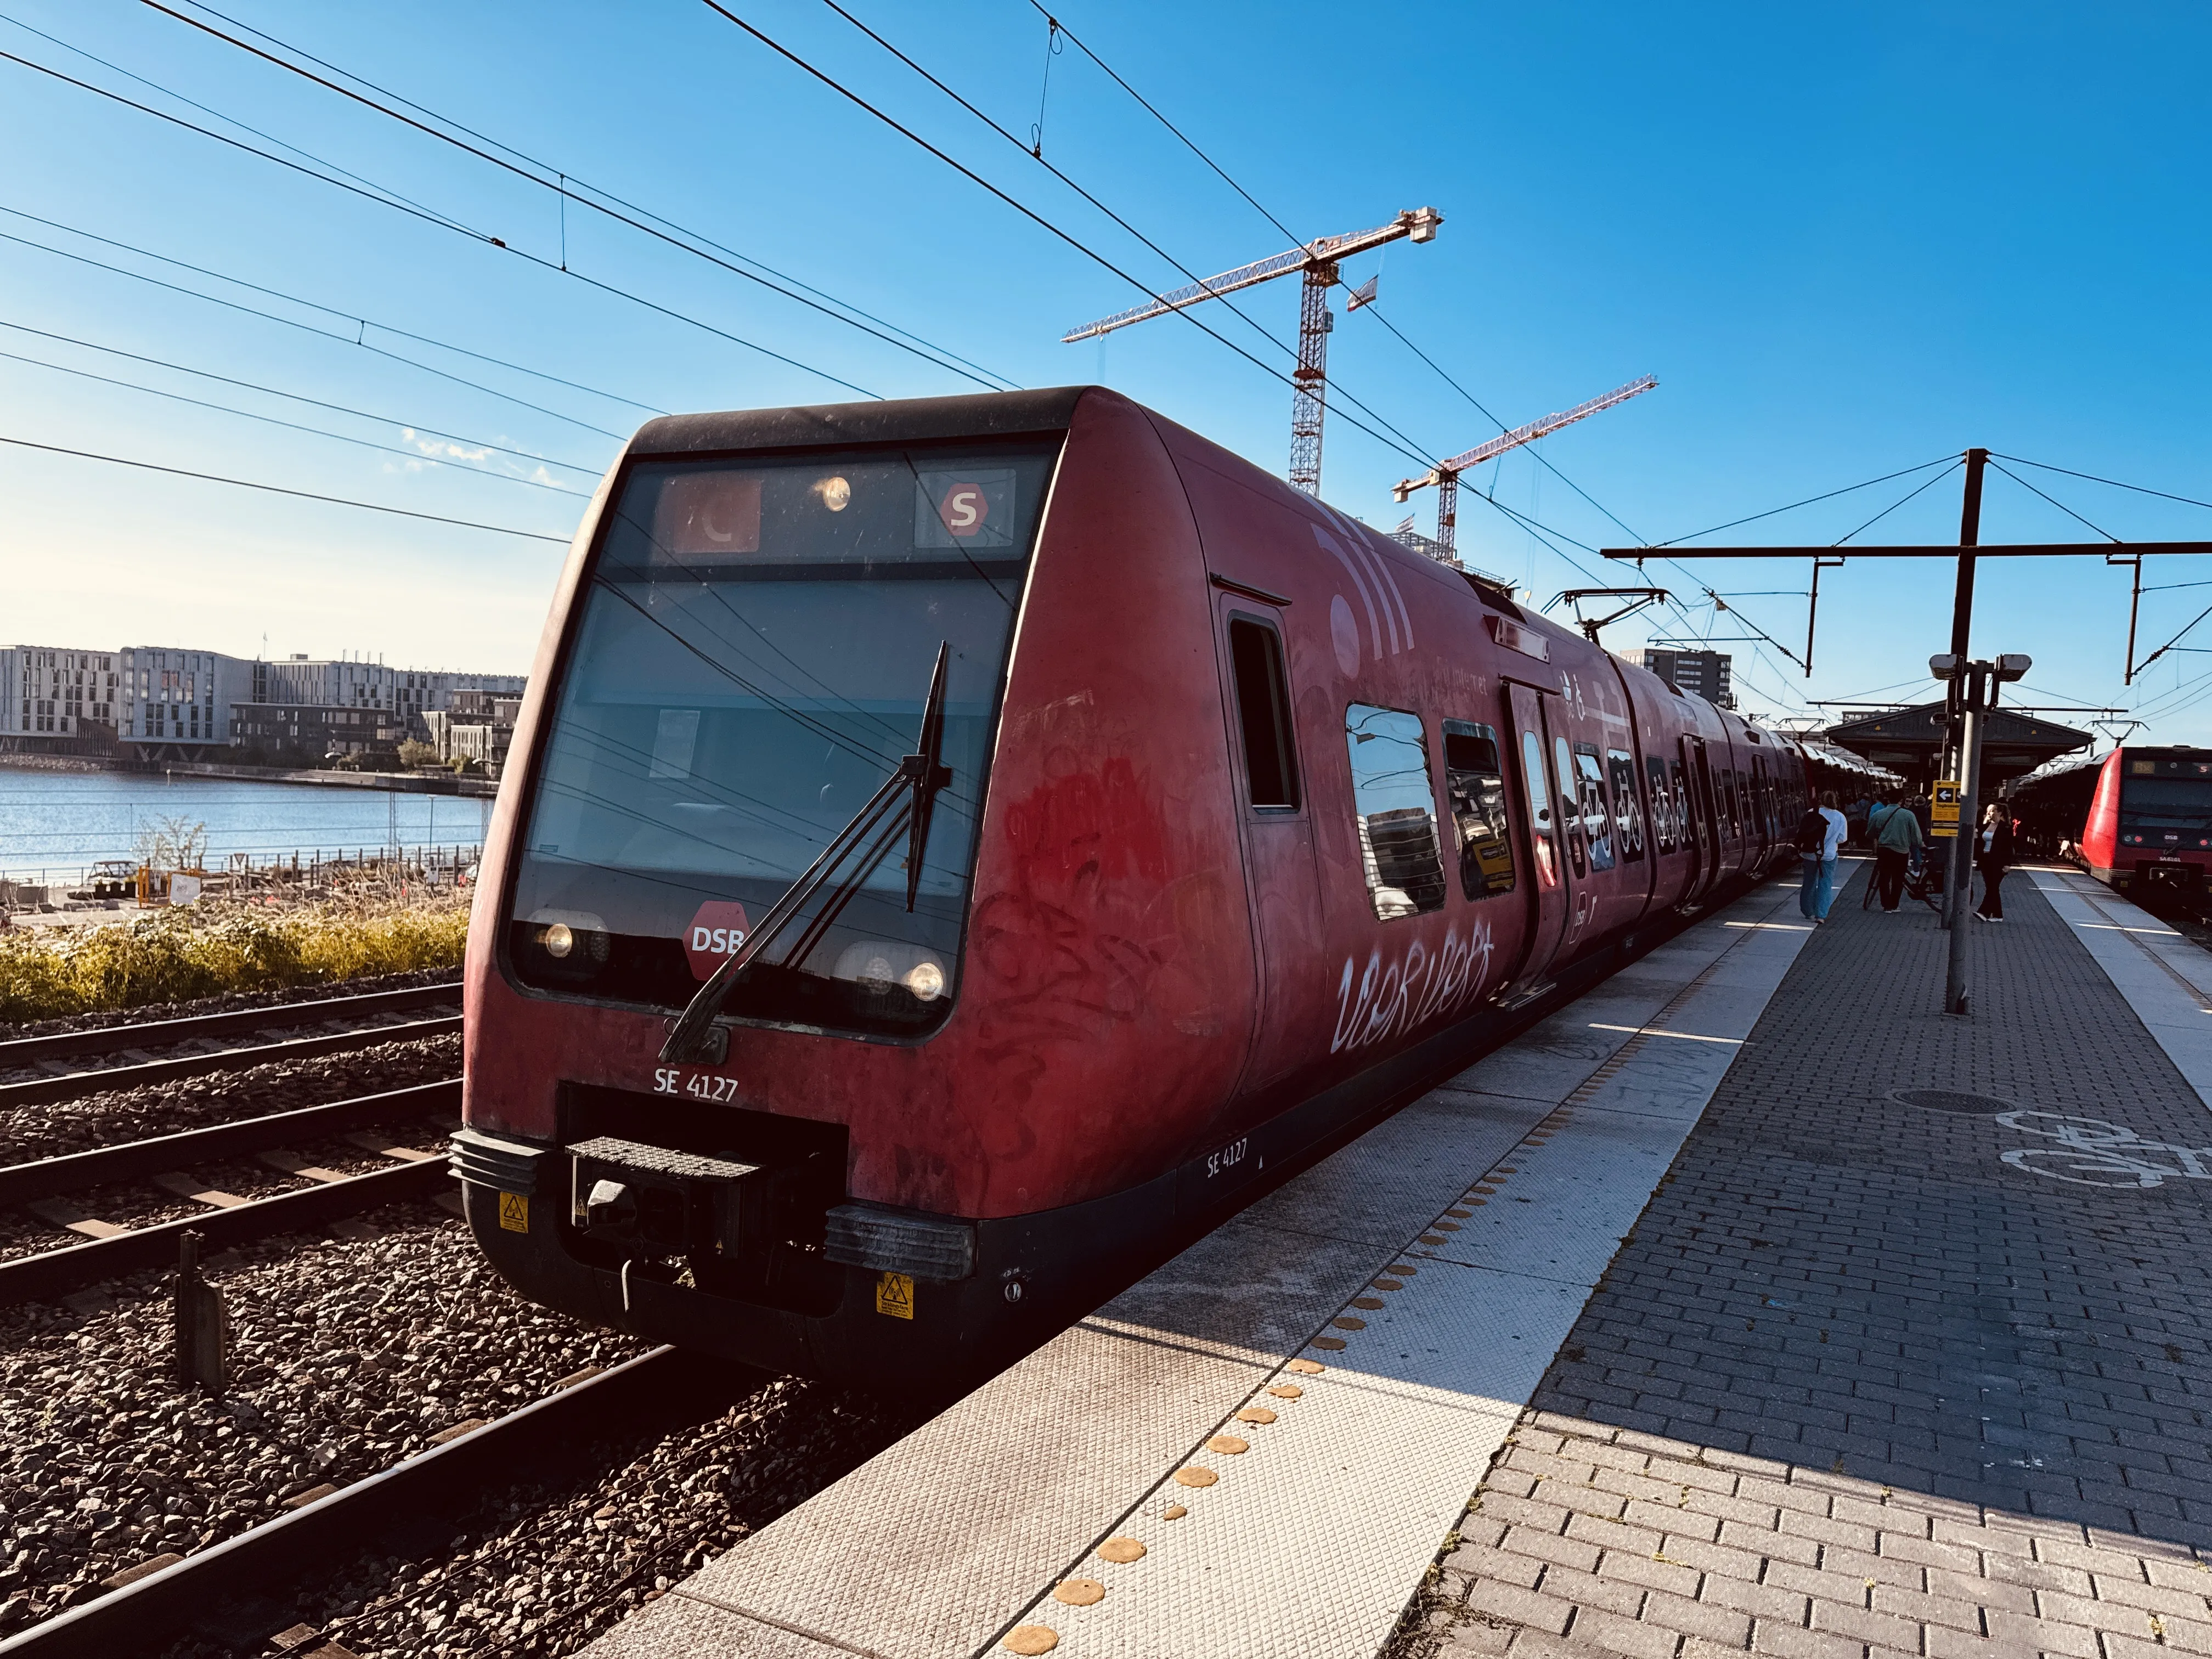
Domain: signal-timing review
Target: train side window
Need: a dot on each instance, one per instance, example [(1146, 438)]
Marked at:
[(1662, 804), (1627, 814), (1474, 784), (1540, 826), (1571, 807), (1597, 822), (1394, 807), (1263, 710), (1685, 825)]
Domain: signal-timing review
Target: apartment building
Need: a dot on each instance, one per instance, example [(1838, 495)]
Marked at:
[(58, 701)]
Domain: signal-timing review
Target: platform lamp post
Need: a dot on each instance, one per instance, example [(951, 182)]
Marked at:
[(1978, 682)]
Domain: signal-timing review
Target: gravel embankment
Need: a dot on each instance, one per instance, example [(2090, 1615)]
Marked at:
[(542, 1573), (229, 1003), (346, 1356), (119, 1115)]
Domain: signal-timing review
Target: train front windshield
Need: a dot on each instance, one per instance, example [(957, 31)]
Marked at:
[(752, 661), (2175, 803)]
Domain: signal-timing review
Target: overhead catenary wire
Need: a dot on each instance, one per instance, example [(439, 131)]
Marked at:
[(484, 238), (1336, 387), (1034, 217), (416, 456), (2054, 500), (1183, 138), (558, 184), (359, 322), (292, 397), (565, 180), (280, 489), (360, 342)]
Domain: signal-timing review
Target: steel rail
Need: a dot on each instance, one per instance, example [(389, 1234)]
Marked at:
[(219, 1589), (131, 1160), (57, 1273), (38, 1091), (108, 1039)]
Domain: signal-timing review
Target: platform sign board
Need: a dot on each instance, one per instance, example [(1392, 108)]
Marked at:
[(1943, 808)]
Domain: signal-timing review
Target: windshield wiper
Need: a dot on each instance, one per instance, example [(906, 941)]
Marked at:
[(905, 802)]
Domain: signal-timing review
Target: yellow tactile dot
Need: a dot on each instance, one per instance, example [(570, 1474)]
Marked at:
[(1478, 1200), (1330, 1344), (1432, 1238), (1079, 1592), (1287, 1391), (1349, 1322), (1389, 1284), (1306, 1367), (1255, 1414), (1445, 1226), (1462, 1214), (1030, 1640), (1401, 1268), (1370, 1303), (1486, 1189), (1507, 1169), (1174, 1512), (1228, 1445), (1195, 1476), (1121, 1550)]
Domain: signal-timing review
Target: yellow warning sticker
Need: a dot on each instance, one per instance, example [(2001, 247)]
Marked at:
[(895, 1295), (514, 1212)]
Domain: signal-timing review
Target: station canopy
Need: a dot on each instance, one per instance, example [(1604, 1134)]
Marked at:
[(1910, 740)]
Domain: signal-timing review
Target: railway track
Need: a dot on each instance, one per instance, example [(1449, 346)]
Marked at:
[(49, 1067), (248, 1590), (111, 1250)]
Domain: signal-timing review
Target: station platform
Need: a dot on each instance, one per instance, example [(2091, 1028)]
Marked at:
[(1758, 1306)]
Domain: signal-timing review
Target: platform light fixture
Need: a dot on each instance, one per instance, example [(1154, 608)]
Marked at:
[(1944, 667), (2013, 665)]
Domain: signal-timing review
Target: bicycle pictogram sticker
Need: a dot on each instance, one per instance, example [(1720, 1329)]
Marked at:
[(2091, 1152)]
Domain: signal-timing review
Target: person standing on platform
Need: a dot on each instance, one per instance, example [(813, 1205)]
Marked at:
[(1993, 857), (1897, 838), (1821, 832)]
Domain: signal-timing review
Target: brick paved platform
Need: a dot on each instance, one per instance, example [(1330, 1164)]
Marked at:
[(1871, 1378)]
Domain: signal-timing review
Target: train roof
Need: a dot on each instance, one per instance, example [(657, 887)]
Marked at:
[(896, 420)]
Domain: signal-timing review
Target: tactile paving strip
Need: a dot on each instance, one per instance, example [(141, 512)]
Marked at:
[(1310, 1539)]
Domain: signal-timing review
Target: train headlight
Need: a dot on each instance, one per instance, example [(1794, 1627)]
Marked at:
[(559, 941), (927, 981), (836, 494)]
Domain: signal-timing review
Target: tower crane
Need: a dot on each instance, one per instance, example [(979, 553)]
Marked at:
[(1318, 259), (1445, 474)]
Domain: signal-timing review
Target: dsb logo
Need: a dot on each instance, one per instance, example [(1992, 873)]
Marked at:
[(715, 933)]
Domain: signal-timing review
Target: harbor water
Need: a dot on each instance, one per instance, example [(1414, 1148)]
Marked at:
[(54, 826)]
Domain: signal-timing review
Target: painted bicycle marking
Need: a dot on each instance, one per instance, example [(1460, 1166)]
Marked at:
[(2093, 1152)]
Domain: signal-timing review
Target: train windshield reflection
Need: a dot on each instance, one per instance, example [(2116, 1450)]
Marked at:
[(752, 663)]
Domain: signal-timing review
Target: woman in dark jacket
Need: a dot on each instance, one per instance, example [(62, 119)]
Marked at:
[(1993, 857)]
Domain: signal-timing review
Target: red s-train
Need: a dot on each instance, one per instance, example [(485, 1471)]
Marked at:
[(1240, 824), (2141, 817)]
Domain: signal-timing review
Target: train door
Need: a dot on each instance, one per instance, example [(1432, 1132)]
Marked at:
[(1535, 721), (1282, 872), (1702, 826)]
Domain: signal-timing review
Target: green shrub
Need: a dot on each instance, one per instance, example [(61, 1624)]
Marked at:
[(176, 955)]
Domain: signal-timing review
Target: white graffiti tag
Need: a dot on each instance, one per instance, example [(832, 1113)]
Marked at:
[(1395, 997), (2091, 1152)]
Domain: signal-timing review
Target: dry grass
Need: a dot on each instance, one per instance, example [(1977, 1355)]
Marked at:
[(176, 955)]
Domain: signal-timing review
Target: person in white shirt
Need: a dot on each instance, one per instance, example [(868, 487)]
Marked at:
[(1818, 891)]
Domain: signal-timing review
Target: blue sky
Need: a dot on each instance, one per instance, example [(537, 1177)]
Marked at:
[(1845, 242)]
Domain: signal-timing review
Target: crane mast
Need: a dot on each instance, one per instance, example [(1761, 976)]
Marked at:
[(1318, 261)]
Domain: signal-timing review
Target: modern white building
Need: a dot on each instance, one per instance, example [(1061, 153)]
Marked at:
[(352, 683), (176, 702), (56, 699)]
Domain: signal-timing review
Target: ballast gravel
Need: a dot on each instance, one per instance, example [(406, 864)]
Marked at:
[(233, 1003), (543, 1572), (347, 1355), (111, 1116)]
